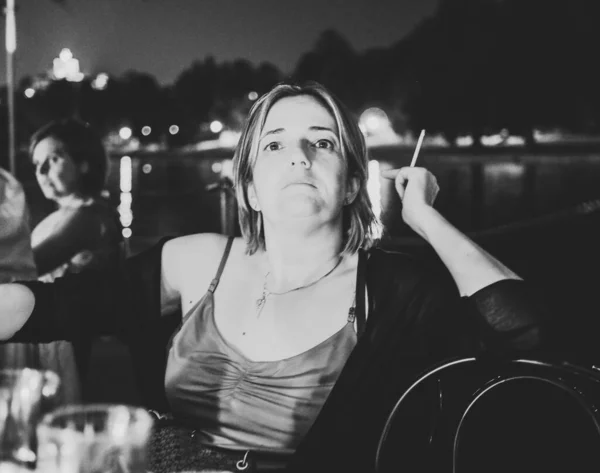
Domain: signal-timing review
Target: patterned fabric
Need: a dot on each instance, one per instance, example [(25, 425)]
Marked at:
[(174, 448)]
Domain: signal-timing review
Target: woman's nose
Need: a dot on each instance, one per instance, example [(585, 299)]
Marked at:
[(300, 157)]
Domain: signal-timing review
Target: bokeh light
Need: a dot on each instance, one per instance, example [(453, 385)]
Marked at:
[(373, 119), (125, 132), (100, 82), (216, 126)]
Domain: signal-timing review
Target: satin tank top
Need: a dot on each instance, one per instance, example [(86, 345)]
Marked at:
[(237, 403)]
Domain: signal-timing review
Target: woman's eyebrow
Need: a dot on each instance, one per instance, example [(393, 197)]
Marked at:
[(276, 131), (272, 132), (322, 128)]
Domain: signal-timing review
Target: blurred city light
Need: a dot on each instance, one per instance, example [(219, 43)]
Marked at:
[(65, 66), (65, 54), (464, 141), (252, 96), (125, 174), (216, 126), (147, 168), (146, 130), (11, 27), (373, 119), (125, 133), (227, 168), (124, 209), (377, 128), (29, 92), (100, 82), (173, 129), (499, 170), (492, 140), (229, 138), (515, 141), (216, 167)]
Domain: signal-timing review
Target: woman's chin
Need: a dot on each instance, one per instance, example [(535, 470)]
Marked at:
[(49, 194), (299, 208), (303, 217)]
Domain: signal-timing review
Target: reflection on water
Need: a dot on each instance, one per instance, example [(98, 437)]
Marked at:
[(167, 194), (126, 198)]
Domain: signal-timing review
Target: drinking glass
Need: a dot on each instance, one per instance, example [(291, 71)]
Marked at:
[(94, 438), (25, 395)]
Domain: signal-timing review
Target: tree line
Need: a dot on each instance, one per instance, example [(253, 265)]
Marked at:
[(473, 67)]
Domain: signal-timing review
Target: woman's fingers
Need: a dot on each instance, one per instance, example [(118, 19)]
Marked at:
[(390, 173), (401, 177), (399, 180), (423, 185)]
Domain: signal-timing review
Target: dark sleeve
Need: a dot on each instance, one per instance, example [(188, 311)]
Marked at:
[(75, 233), (119, 301), (508, 316)]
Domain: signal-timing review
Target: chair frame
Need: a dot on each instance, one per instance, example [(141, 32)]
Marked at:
[(566, 370)]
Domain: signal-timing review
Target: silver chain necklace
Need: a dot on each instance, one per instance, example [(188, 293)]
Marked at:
[(260, 302)]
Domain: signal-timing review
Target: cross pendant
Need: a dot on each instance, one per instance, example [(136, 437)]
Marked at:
[(260, 302)]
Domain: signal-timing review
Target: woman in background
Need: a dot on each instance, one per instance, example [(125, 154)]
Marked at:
[(82, 233)]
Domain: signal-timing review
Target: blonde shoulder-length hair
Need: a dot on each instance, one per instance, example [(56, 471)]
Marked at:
[(359, 220)]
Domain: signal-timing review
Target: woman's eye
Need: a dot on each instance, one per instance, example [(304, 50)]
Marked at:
[(273, 146), (324, 144)]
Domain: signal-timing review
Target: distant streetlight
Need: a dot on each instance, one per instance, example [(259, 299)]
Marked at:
[(216, 126), (125, 133), (146, 130), (252, 96), (100, 82), (173, 129), (11, 46), (29, 92)]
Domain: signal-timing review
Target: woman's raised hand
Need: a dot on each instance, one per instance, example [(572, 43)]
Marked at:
[(417, 188)]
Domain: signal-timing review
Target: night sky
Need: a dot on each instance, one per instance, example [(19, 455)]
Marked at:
[(163, 37)]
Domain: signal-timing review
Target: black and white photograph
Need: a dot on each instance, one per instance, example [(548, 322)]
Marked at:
[(300, 236)]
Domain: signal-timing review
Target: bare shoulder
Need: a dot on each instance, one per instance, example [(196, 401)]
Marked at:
[(192, 258)]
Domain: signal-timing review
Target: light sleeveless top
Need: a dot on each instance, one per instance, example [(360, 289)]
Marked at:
[(237, 403)]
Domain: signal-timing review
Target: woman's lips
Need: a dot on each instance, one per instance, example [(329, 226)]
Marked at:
[(301, 183)]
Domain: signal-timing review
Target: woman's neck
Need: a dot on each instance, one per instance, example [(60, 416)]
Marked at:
[(74, 201), (293, 259)]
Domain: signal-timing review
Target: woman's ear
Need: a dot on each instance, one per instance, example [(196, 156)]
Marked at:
[(252, 198), (352, 190)]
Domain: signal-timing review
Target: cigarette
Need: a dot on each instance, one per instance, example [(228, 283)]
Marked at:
[(416, 153)]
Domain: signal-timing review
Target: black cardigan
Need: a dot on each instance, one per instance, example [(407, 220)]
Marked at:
[(415, 318)]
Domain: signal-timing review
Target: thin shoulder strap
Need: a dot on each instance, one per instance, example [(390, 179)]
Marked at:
[(361, 318), (215, 282)]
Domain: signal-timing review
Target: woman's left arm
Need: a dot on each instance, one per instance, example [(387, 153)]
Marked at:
[(471, 267)]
